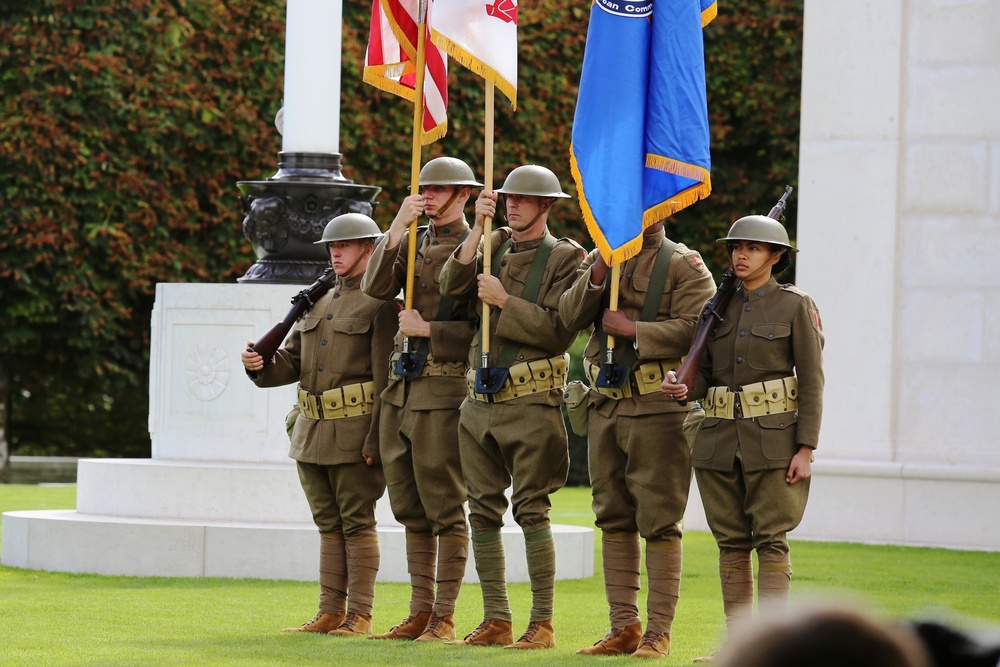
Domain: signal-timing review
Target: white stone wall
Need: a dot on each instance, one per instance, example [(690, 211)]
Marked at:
[(899, 227)]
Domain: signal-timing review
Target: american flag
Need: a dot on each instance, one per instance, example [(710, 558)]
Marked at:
[(390, 62)]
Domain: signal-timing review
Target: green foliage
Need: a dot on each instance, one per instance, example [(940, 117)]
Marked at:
[(127, 123)]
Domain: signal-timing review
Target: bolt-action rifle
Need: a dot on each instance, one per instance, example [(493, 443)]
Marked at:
[(711, 314), (269, 343)]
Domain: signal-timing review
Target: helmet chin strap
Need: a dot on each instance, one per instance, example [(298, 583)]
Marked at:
[(546, 203), (451, 200), (361, 258)]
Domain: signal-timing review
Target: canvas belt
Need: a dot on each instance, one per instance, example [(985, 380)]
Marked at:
[(430, 369), (529, 377), (644, 380), (753, 400), (351, 400)]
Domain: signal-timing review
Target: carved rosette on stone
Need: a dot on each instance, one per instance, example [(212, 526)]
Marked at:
[(286, 214)]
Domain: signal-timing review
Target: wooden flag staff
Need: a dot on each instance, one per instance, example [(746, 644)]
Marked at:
[(488, 223), (410, 364), (612, 375), (488, 380)]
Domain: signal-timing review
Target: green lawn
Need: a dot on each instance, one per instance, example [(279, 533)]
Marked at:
[(66, 619)]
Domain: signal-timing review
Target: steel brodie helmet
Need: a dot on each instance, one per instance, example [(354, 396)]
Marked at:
[(534, 180), (448, 171), (759, 228), (350, 227)]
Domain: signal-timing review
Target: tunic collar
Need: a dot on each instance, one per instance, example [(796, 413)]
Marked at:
[(345, 284), (453, 228), (521, 246), (769, 287), (654, 240)]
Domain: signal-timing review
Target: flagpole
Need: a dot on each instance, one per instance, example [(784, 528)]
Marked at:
[(616, 273), (418, 126), (488, 222)]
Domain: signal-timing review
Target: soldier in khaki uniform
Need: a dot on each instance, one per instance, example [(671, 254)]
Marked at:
[(419, 412), (640, 465), (516, 434), (762, 381), (337, 353)]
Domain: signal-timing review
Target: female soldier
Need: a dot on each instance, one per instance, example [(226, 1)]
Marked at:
[(762, 381)]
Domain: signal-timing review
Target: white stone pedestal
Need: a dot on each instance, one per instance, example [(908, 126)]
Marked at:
[(219, 497)]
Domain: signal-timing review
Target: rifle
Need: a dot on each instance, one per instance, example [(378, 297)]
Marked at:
[(269, 343), (711, 314)]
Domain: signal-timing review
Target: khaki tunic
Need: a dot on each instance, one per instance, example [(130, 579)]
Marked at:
[(333, 346), (770, 333), (419, 418), (510, 442), (640, 465)]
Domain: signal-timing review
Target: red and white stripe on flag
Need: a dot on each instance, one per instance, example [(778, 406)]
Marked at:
[(391, 57)]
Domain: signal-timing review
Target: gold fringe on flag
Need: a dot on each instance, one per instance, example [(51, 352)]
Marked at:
[(651, 216), (709, 13), (473, 63)]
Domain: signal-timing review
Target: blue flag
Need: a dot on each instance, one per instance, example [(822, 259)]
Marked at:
[(640, 149)]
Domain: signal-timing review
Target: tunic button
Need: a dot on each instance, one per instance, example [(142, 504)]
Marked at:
[(319, 368), (323, 342), (337, 295), (748, 308), (628, 275), (760, 292), (350, 328), (423, 285), (329, 317), (435, 243), (739, 360), (770, 335), (743, 333), (427, 261)]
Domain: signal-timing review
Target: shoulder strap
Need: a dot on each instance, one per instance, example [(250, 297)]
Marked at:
[(531, 286), (657, 282)]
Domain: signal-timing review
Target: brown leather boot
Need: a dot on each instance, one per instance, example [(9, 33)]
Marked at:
[(618, 641), (439, 629), (490, 632), (653, 645), (321, 622), (410, 627), (538, 635), (354, 625)]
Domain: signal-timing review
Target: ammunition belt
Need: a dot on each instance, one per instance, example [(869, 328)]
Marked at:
[(644, 380), (430, 369), (753, 400), (526, 378), (350, 400)]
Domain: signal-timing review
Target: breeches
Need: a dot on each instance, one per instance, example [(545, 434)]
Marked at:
[(423, 470), (640, 473), (752, 510), (342, 497), (505, 443)]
